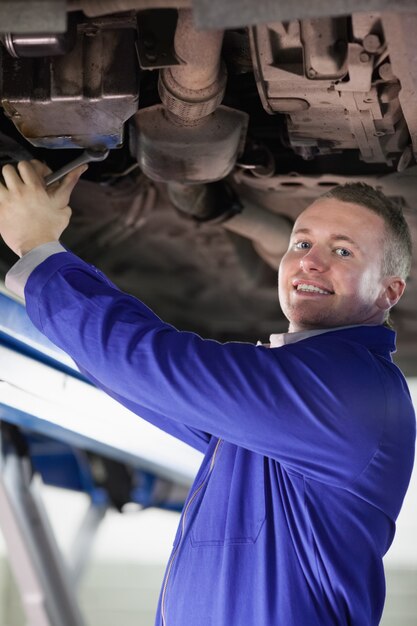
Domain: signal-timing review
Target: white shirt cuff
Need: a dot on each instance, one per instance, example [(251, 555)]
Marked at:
[(17, 276)]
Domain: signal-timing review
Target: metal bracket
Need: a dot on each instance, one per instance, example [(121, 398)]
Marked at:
[(47, 595), (360, 66), (83, 542), (155, 44)]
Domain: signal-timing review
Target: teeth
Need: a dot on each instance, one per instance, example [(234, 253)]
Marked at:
[(303, 287)]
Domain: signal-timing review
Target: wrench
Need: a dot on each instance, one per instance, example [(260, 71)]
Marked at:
[(90, 154)]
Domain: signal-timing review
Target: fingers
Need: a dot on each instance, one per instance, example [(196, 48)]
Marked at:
[(68, 183), (32, 174), (11, 177), (3, 190), (29, 174), (41, 168), (72, 177)]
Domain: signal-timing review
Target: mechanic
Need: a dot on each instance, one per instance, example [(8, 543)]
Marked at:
[(308, 442)]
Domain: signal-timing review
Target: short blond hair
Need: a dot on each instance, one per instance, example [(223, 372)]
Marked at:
[(398, 245)]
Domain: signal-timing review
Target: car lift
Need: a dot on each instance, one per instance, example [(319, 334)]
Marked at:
[(47, 596), (41, 394)]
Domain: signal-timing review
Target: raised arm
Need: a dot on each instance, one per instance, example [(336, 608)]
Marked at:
[(305, 405)]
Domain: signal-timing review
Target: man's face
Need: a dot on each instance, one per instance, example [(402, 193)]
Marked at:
[(331, 274)]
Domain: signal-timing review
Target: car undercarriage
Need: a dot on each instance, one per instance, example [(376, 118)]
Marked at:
[(223, 122)]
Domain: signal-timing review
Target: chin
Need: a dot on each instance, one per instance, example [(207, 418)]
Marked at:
[(314, 322), (306, 318)]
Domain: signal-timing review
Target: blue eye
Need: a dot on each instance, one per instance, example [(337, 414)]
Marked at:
[(343, 252), (302, 245)]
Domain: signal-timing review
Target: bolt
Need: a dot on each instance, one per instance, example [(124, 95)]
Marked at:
[(311, 72), (90, 31), (371, 43), (385, 71), (364, 57), (151, 56)]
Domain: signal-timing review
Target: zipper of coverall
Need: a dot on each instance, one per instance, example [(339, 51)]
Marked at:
[(173, 557)]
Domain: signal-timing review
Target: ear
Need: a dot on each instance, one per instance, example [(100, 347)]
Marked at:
[(391, 292)]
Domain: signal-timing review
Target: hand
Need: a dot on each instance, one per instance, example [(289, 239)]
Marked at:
[(30, 214)]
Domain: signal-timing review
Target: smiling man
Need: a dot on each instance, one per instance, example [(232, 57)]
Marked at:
[(335, 272), (308, 443)]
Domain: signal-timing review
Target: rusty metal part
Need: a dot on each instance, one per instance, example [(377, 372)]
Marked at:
[(190, 138), (34, 16), (211, 202), (94, 8), (400, 35), (268, 231), (189, 106), (201, 153), (324, 56), (193, 89), (78, 100), (200, 51), (325, 112)]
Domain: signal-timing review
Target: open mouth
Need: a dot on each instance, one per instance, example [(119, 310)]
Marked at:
[(312, 289)]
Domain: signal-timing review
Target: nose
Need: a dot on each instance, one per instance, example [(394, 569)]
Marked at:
[(314, 260)]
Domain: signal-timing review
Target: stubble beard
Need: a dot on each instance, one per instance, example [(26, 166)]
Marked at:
[(302, 316)]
